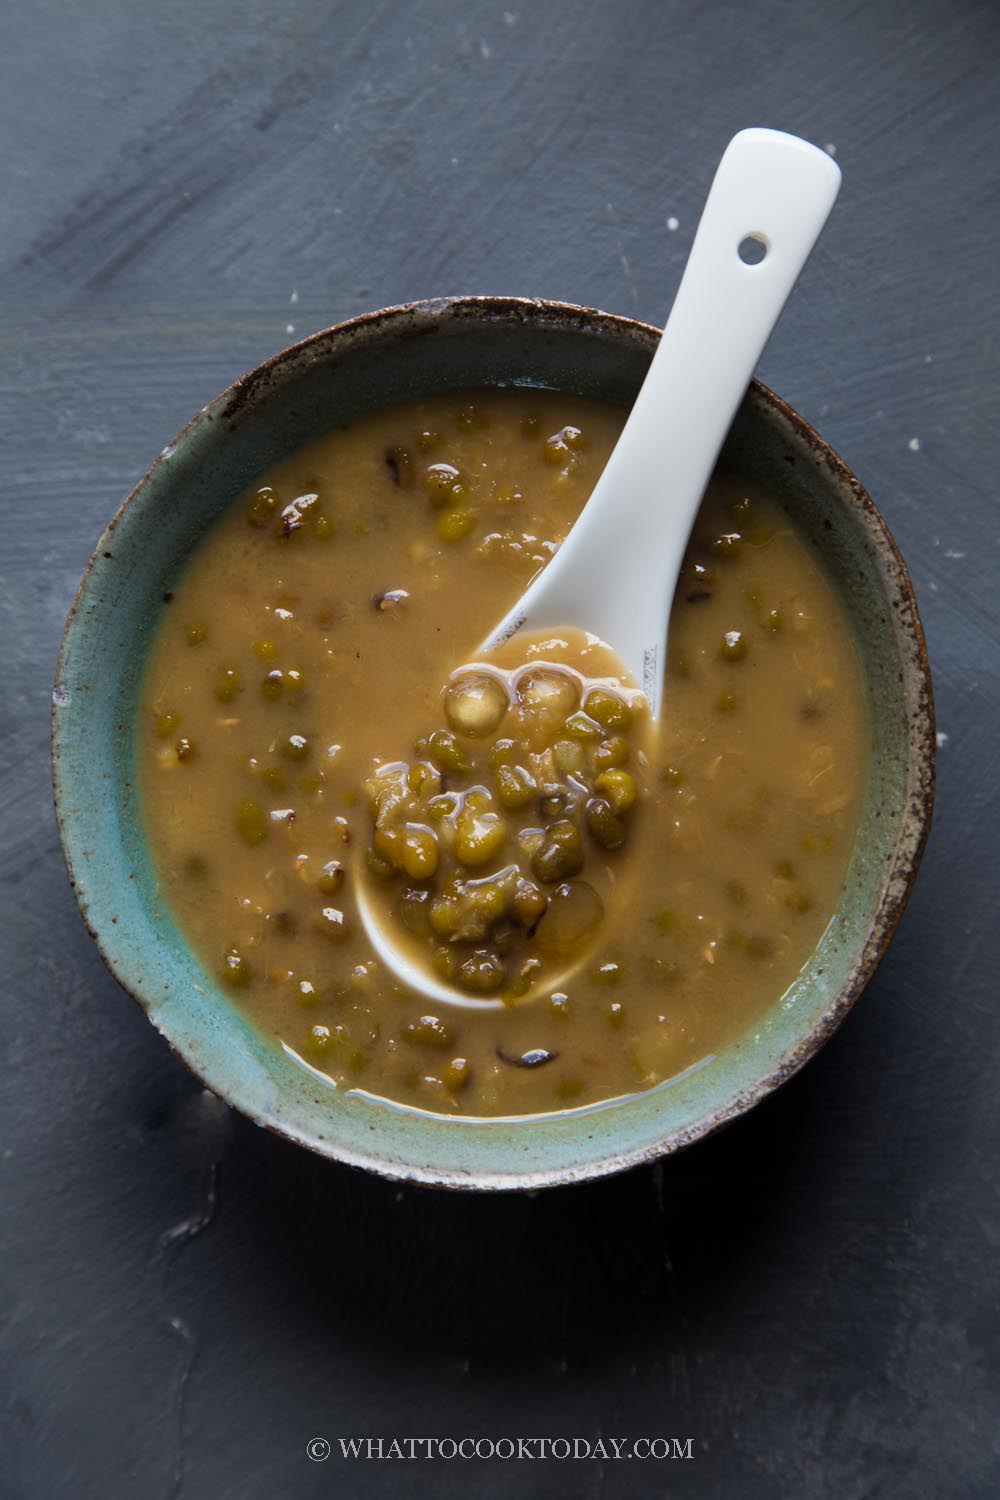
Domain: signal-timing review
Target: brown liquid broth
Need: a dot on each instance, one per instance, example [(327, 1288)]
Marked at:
[(737, 850)]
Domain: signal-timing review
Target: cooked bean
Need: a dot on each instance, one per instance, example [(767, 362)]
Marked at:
[(445, 751), (581, 726), (332, 923), (444, 806), (428, 1031), (570, 757), (423, 780), (561, 447), (263, 507), (608, 709), (482, 973), (490, 895), (515, 786), (443, 485), (700, 588), (619, 787), (728, 544), (574, 913), (456, 1073), (455, 525), (527, 903), (556, 800), (446, 916), (400, 466), (411, 848), (475, 703), (228, 684), (467, 910), (251, 821), (318, 1040), (331, 878), (560, 853), (391, 602), (293, 746), (604, 824), (733, 646), (609, 753), (414, 911), (504, 752), (552, 694), (555, 451), (420, 852), (293, 516), (479, 836), (235, 970), (534, 1057)]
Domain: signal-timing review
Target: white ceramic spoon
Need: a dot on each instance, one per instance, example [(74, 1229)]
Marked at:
[(616, 572), (772, 194)]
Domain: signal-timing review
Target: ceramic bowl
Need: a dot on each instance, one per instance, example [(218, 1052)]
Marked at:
[(388, 356)]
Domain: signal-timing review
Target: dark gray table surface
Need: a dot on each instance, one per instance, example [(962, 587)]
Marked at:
[(812, 1295)]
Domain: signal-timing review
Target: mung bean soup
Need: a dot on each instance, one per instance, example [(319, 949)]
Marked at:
[(613, 901)]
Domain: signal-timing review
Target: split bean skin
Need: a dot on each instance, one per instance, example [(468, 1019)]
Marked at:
[(306, 725)]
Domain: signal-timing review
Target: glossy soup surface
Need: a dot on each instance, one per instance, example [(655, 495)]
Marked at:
[(616, 902)]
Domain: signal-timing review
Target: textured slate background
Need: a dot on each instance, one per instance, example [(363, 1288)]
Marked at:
[(812, 1296)]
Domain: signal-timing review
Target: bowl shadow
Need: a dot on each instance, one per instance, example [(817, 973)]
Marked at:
[(568, 1276)]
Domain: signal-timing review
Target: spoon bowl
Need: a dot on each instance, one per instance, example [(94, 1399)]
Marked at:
[(409, 972), (370, 901), (405, 968)]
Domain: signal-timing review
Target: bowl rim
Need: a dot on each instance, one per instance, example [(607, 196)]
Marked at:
[(237, 400)]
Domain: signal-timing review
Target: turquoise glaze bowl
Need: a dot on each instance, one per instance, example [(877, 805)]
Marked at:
[(388, 356)]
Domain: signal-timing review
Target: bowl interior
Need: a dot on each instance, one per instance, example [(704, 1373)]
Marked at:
[(375, 360)]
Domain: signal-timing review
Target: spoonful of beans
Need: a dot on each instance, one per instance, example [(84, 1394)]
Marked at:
[(550, 745)]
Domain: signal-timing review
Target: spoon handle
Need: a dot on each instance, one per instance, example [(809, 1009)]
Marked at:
[(616, 572)]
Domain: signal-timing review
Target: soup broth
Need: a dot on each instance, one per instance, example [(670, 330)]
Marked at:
[(304, 658)]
